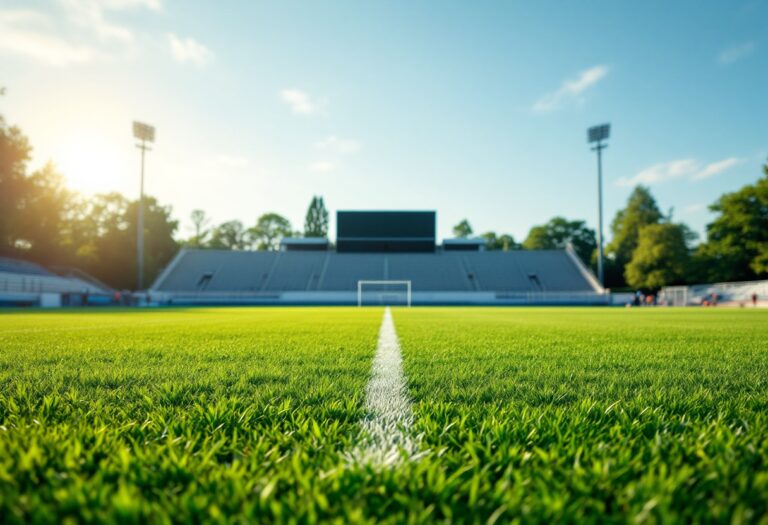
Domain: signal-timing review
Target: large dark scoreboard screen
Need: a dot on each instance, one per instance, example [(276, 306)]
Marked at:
[(385, 231)]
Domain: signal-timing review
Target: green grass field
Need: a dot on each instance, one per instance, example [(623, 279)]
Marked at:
[(248, 415)]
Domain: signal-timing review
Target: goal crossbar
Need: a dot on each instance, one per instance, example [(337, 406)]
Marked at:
[(361, 284)]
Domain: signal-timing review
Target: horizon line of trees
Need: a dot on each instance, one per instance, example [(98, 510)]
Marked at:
[(44, 222), (648, 249)]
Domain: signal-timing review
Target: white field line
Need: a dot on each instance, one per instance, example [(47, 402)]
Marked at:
[(386, 439)]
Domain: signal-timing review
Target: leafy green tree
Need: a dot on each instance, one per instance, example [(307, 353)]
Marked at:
[(463, 229), (14, 155), (737, 240), (101, 234), (503, 242), (316, 222), (230, 235), (641, 210), (200, 224), (661, 258), (558, 232), (269, 229), (42, 223)]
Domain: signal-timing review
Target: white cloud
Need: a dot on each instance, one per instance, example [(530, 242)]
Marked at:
[(693, 209), (338, 145), (322, 166), (154, 5), (300, 101), (735, 53), (716, 167), (90, 15), (688, 168), (571, 90), (77, 32), (27, 33), (661, 172), (188, 50)]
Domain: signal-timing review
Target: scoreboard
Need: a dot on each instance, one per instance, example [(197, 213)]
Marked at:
[(385, 231)]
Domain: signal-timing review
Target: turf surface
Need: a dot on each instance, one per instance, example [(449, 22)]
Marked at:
[(248, 415)]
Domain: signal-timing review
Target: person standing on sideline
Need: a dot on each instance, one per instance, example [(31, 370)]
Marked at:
[(754, 299)]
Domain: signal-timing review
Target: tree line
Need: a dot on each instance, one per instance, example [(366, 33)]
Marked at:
[(648, 249), (44, 222)]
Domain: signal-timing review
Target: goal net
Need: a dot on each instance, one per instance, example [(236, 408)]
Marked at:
[(388, 293)]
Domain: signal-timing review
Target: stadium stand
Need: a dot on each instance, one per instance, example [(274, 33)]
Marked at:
[(382, 246), (226, 277), (23, 283)]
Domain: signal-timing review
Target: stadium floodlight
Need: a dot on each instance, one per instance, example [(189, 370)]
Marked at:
[(384, 291), (596, 135), (145, 134)]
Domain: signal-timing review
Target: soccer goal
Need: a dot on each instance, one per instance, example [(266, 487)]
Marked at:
[(389, 293)]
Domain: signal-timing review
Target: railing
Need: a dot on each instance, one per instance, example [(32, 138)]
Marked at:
[(555, 297)]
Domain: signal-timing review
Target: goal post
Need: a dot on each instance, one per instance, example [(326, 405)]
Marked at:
[(384, 292)]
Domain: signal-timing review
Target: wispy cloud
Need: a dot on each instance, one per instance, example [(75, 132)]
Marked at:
[(735, 53), (338, 145), (300, 101), (693, 209), (716, 168), (661, 172), (74, 32), (189, 51), (90, 15), (571, 90), (26, 33), (682, 168), (322, 166)]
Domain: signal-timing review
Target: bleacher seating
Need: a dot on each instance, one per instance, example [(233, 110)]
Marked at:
[(26, 283), (17, 266), (215, 271)]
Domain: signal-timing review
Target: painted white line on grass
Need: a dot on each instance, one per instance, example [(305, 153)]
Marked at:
[(386, 438)]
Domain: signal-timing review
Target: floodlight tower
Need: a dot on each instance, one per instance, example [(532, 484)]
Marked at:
[(145, 134), (596, 135)]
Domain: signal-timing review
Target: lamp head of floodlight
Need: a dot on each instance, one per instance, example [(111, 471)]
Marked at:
[(598, 133), (143, 132)]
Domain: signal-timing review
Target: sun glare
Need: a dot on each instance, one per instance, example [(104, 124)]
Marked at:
[(89, 162)]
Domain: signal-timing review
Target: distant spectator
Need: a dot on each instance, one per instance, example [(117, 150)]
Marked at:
[(754, 299), (713, 300)]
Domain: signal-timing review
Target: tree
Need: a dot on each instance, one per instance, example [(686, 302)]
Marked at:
[(230, 235), (101, 234), (269, 229), (558, 232), (41, 223), (14, 155), (200, 224), (316, 223), (737, 240), (463, 229), (641, 210), (661, 258), (503, 242)]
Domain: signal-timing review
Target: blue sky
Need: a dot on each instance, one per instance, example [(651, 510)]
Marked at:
[(474, 109)]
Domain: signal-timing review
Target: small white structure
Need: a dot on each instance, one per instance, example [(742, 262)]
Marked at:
[(384, 293), (728, 294)]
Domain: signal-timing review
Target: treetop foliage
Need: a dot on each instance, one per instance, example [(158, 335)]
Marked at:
[(558, 233), (316, 223)]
